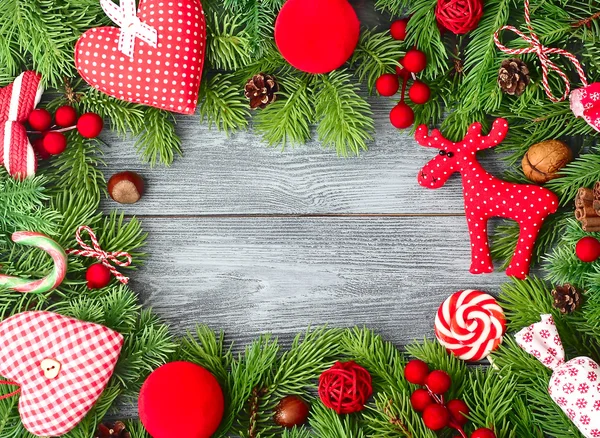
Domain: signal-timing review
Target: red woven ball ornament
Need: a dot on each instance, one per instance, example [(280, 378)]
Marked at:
[(588, 249), (345, 387), (459, 16)]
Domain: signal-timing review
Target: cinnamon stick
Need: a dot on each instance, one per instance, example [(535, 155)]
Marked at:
[(591, 222), (597, 190), (588, 210), (584, 194), (596, 206), (579, 214), (589, 228)]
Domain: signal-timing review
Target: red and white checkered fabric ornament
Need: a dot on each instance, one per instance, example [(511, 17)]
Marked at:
[(574, 385), (17, 100), (61, 366)]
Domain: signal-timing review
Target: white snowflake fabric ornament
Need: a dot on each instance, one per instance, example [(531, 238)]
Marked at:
[(585, 103), (574, 385)]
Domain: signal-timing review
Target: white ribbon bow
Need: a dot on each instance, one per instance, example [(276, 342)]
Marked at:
[(125, 16)]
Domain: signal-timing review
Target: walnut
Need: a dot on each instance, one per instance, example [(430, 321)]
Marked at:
[(543, 160)]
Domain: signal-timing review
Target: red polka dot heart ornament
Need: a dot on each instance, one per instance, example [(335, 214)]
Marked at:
[(486, 196), (155, 56)]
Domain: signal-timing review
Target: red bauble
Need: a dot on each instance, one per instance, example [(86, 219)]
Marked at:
[(38, 147), (398, 29), (458, 410), (317, 36), (459, 16), (181, 399), (436, 417), (419, 92), (588, 249), (97, 276), (402, 116), (438, 382), (414, 61), (90, 125), (345, 387), (420, 399), (54, 143), (65, 116), (484, 432), (40, 119), (387, 84), (416, 371)]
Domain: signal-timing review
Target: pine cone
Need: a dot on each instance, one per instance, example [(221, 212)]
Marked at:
[(112, 430), (513, 76), (567, 298), (261, 90)]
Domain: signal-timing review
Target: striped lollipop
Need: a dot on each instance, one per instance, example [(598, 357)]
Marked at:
[(50, 281), (470, 324)]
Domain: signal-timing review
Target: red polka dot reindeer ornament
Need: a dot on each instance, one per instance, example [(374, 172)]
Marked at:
[(486, 196)]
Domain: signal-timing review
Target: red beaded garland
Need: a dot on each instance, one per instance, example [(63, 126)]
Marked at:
[(398, 29), (438, 382), (588, 249), (387, 84), (65, 116), (402, 116), (420, 399), (54, 142), (97, 276), (459, 16), (345, 387), (416, 372), (414, 61), (484, 432), (89, 125), (419, 92), (40, 119), (458, 410), (436, 417)]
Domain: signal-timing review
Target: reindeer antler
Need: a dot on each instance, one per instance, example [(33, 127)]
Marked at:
[(435, 140), (496, 135)]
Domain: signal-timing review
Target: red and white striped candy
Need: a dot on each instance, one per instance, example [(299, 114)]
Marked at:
[(470, 324)]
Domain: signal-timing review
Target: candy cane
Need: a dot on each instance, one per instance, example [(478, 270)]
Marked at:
[(50, 281)]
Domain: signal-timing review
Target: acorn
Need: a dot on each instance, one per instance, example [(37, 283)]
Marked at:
[(126, 187)]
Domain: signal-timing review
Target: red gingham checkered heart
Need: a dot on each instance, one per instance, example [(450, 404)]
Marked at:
[(87, 354), (166, 77)]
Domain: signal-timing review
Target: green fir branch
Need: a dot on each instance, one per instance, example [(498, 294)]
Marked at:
[(158, 142), (223, 104)]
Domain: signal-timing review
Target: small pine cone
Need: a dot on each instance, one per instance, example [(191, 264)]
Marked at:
[(112, 430), (261, 89), (513, 76), (567, 298)]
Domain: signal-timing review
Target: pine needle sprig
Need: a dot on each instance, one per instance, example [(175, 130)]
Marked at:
[(584, 171), (327, 423), (223, 104), (229, 46), (158, 142)]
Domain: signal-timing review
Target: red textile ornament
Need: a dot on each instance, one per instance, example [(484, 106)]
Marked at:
[(585, 103), (414, 61), (154, 58), (438, 382), (419, 92), (402, 116), (420, 399), (436, 417), (90, 125), (40, 119), (486, 196), (459, 16), (97, 276), (345, 387), (316, 36), (459, 411), (416, 371), (398, 29), (588, 249), (65, 116), (484, 432), (54, 142), (181, 399), (387, 84)]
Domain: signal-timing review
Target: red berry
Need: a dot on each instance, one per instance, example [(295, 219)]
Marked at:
[(89, 125), (54, 142), (416, 371), (402, 72), (420, 399), (588, 249), (40, 119), (65, 116), (414, 61), (387, 84), (402, 116), (436, 417), (97, 276), (459, 411), (484, 432), (419, 92), (38, 147), (438, 382), (398, 29)]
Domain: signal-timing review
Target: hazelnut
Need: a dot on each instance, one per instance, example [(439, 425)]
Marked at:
[(126, 187), (543, 160)]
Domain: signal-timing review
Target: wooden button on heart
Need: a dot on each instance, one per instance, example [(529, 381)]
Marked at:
[(51, 368)]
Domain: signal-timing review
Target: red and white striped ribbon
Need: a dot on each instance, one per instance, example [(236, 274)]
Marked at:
[(542, 51), (97, 252)]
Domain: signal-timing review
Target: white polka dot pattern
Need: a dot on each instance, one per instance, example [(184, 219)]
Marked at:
[(486, 196), (166, 77)]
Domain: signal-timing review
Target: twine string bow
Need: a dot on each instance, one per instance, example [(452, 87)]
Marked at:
[(105, 257), (543, 52)]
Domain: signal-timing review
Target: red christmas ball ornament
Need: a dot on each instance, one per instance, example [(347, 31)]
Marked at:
[(97, 276), (458, 411), (65, 116), (40, 119), (588, 249), (414, 61), (459, 16), (416, 372), (316, 36), (398, 29), (402, 116), (90, 125), (345, 387), (438, 382), (419, 92), (181, 399), (420, 399), (484, 432), (38, 147), (436, 417), (387, 84), (54, 143)]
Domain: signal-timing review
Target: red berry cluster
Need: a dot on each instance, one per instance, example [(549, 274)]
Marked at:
[(429, 400), (51, 139)]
